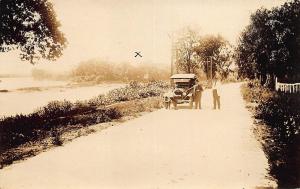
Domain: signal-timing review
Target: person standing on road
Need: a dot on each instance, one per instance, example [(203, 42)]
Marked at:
[(197, 94), (167, 102), (173, 99), (216, 96)]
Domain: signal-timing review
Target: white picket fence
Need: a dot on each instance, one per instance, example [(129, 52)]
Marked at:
[(287, 87)]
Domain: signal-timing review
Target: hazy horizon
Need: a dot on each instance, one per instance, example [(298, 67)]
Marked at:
[(113, 30)]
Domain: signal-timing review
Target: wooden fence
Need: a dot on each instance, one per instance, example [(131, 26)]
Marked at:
[(287, 87)]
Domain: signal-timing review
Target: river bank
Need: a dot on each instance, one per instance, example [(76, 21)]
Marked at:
[(27, 134), (24, 95)]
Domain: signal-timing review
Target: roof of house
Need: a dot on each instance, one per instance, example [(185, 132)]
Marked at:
[(183, 76)]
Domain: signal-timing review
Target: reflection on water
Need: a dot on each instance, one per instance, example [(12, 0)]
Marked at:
[(26, 82)]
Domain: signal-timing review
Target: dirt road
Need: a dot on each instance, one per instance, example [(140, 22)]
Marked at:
[(164, 149)]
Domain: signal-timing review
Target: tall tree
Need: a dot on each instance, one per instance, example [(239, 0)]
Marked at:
[(193, 51), (256, 42), (30, 26), (185, 54), (270, 45), (217, 49)]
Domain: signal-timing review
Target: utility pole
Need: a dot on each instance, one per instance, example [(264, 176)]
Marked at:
[(211, 68), (172, 55), (176, 55), (206, 70), (172, 52)]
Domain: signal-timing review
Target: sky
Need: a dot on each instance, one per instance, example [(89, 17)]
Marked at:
[(114, 30)]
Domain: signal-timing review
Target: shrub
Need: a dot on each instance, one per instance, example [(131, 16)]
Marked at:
[(280, 114), (55, 108), (253, 92), (131, 92), (57, 140), (100, 100)]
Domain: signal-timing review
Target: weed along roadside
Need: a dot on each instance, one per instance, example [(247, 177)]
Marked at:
[(277, 128), (23, 136)]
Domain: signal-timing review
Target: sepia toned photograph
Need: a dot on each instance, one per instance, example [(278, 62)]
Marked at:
[(149, 94)]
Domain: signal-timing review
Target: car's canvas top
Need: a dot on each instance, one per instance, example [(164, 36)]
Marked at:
[(183, 76)]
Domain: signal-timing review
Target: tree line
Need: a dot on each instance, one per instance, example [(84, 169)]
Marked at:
[(99, 71)]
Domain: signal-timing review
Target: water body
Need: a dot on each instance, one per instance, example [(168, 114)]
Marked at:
[(26, 94)]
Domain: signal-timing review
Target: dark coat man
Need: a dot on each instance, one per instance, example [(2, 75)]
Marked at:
[(197, 94)]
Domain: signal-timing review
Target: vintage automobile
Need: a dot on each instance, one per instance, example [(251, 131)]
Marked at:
[(181, 92)]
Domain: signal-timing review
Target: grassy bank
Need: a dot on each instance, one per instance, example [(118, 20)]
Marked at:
[(25, 135), (277, 118)]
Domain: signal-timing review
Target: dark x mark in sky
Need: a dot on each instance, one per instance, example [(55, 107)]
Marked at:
[(138, 54)]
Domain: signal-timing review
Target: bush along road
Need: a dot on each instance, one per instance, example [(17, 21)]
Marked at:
[(278, 124), (26, 135)]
